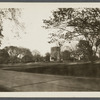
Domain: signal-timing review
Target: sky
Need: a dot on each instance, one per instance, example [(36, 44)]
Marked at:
[(34, 36)]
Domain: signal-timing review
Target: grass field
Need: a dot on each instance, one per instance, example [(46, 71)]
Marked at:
[(5, 89), (49, 77), (82, 70)]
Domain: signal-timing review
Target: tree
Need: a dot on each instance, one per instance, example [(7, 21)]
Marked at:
[(84, 23), (11, 14), (27, 58), (36, 55), (75, 55), (12, 50), (66, 55), (17, 53), (86, 50), (47, 56), (4, 56)]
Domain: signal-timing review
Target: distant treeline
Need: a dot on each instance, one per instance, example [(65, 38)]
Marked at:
[(14, 54)]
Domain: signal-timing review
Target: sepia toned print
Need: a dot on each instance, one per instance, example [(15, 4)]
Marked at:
[(47, 48)]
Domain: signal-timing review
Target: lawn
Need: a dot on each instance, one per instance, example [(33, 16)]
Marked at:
[(5, 89), (81, 70)]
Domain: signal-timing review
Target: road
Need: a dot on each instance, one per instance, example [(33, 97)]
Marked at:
[(28, 82)]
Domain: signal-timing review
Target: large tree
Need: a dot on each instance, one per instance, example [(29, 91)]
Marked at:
[(20, 53), (84, 23), (85, 50), (11, 14), (17, 51)]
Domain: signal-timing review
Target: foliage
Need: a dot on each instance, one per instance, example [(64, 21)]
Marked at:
[(84, 23), (57, 38), (14, 59), (86, 50), (11, 14), (27, 58), (36, 56), (4, 56), (47, 56), (17, 54), (66, 55), (16, 51)]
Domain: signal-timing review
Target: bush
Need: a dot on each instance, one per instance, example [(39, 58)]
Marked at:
[(4, 56), (27, 59)]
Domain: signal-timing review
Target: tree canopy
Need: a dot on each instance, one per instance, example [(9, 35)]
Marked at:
[(84, 24), (11, 14)]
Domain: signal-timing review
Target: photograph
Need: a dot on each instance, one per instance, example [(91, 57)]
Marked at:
[(49, 47)]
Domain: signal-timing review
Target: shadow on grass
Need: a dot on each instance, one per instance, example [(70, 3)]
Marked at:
[(4, 89), (84, 70)]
